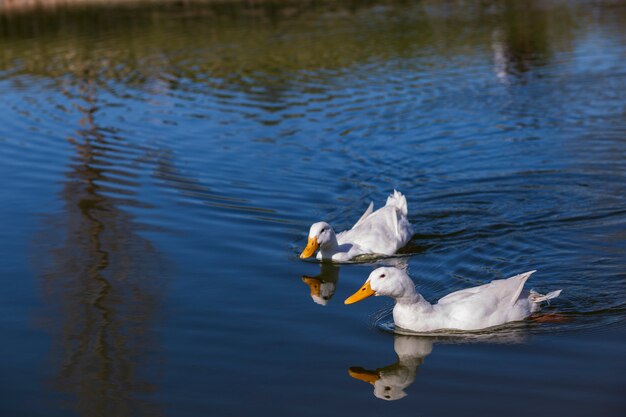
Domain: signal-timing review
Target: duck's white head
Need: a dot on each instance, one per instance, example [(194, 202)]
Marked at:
[(321, 235), (389, 281)]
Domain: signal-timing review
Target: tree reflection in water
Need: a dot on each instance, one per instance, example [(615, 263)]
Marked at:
[(100, 277)]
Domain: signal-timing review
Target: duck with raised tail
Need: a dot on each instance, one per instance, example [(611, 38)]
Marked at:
[(380, 232), (499, 302)]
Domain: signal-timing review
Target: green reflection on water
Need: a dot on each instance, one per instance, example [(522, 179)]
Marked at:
[(209, 41)]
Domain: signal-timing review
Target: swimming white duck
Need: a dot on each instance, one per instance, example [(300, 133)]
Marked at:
[(380, 232), (501, 301)]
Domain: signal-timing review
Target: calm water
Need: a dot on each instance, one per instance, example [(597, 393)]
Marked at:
[(160, 168)]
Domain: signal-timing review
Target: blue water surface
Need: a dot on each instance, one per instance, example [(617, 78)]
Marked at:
[(160, 166)]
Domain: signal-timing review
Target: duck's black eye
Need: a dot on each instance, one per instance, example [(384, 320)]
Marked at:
[(383, 276)]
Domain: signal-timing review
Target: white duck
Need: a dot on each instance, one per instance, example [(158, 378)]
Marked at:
[(501, 301), (380, 232)]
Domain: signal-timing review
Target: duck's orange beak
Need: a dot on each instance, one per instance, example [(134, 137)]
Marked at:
[(363, 374), (310, 249), (363, 292)]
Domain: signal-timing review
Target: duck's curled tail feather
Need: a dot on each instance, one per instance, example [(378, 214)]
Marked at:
[(398, 200), (535, 297)]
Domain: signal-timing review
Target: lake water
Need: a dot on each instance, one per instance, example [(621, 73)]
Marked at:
[(160, 167)]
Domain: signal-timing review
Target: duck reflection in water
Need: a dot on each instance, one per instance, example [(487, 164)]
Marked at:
[(390, 381), (323, 286)]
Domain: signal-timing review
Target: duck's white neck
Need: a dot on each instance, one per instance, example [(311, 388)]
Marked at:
[(412, 298), (411, 309), (328, 249)]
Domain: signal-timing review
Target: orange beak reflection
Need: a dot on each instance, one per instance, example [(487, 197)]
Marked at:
[(310, 249), (314, 285), (363, 292), (363, 374)]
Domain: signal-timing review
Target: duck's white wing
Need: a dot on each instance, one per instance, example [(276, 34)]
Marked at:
[(383, 231), (517, 283), (370, 210), (379, 232), (394, 222), (507, 291), (459, 295), (484, 306), (375, 233)]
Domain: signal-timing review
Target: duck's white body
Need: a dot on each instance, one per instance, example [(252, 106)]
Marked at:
[(499, 302), (380, 232)]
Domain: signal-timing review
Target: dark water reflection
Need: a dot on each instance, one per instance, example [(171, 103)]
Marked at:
[(161, 165), (391, 381), (324, 284), (103, 280)]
